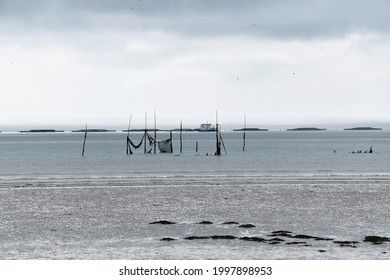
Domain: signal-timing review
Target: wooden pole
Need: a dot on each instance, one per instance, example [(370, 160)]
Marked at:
[(218, 144), (85, 138), (155, 132), (128, 137), (170, 137), (145, 134), (181, 137), (243, 145), (221, 141)]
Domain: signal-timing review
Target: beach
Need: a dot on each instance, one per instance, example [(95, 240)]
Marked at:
[(190, 217)]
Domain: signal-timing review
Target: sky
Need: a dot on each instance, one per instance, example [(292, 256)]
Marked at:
[(280, 62)]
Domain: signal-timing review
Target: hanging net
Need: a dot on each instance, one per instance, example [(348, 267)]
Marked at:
[(164, 146)]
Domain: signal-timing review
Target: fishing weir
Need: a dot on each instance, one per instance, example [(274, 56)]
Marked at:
[(150, 143)]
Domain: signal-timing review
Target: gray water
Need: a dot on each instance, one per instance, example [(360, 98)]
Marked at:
[(56, 204), (281, 153)]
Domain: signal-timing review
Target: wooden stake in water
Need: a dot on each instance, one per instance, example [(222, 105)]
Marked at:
[(218, 144), (243, 145), (181, 139), (155, 132), (128, 149), (145, 135), (85, 138)]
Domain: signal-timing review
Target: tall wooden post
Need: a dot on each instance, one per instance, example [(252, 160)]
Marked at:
[(218, 143), (145, 134), (85, 138), (155, 132), (181, 137), (128, 137), (243, 145)]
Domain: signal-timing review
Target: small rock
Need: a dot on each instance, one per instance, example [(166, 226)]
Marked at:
[(162, 222), (247, 226), (167, 239), (230, 223), (376, 239), (205, 223)]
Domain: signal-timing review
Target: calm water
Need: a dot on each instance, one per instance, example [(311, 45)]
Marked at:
[(279, 153), (56, 204)]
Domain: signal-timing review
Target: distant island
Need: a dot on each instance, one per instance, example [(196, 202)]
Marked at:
[(363, 128), (250, 129), (94, 130), (40, 131), (140, 130), (306, 129)]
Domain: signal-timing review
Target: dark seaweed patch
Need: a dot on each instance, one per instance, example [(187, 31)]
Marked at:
[(296, 243), (276, 240), (345, 243), (214, 237), (223, 237), (257, 239), (376, 239), (196, 237), (304, 236), (279, 232), (162, 222)]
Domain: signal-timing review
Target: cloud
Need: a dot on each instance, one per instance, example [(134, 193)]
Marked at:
[(187, 58), (274, 19)]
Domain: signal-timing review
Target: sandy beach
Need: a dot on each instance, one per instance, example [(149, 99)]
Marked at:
[(190, 218)]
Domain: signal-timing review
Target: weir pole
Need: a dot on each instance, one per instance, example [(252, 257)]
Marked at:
[(155, 132), (85, 138), (243, 145)]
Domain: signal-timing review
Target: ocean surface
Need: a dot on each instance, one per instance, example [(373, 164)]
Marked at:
[(281, 153), (314, 186)]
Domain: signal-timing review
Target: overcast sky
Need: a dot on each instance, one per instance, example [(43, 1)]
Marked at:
[(282, 62)]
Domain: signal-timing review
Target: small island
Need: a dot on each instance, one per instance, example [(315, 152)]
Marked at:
[(94, 130), (40, 131), (306, 129), (250, 129), (139, 130), (363, 128)]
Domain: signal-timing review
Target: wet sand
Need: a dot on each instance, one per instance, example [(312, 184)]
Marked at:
[(207, 219)]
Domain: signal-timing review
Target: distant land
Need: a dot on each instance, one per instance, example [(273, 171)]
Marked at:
[(41, 131), (174, 129), (95, 130), (250, 129), (141, 130), (363, 128), (306, 129)]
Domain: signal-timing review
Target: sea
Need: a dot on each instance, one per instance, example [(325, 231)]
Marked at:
[(271, 153), (284, 195)]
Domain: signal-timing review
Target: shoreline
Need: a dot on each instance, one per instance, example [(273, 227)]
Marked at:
[(175, 180)]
